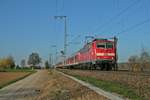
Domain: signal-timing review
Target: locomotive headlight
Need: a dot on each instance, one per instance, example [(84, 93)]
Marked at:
[(105, 54), (99, 54), (111, 54)]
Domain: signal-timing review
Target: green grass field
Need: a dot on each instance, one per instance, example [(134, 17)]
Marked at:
[(114, 87), (17, 70)]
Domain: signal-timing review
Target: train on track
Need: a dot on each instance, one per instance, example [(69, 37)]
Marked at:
[(97, 54)]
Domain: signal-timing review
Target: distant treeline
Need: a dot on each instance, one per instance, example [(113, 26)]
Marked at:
[(134, 66), (139, 62)]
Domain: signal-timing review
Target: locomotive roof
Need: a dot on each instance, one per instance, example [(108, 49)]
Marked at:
[(100, 39), (89, 43)]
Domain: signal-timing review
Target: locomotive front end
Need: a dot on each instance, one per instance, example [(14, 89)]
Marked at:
[(105, 54), (105, 50)]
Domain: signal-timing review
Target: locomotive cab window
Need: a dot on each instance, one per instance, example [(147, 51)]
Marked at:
[(100, 45), (109, 45), (105, 45)]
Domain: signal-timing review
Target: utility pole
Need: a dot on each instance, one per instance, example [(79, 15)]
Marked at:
[(65, 35), (116, 55), (55, 48), (50, 60)]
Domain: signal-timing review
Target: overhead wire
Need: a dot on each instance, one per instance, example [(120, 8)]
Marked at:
[(134, 26), (118, 15), (56, 7), (113, 18), (62, 8)]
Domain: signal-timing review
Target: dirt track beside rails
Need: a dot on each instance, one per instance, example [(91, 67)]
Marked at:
[(45, 85), (62, 88)]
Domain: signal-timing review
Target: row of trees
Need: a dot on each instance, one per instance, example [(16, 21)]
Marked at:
[(7, 62), (33, 61), (140, 62)]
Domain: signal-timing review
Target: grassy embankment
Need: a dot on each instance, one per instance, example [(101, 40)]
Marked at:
[(110, 86), (17, 70)]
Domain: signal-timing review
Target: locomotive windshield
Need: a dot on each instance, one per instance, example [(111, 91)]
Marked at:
[(101, 45), (104, 45), (109, 45)]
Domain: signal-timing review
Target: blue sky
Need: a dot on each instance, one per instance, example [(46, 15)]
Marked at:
[(28, 26)]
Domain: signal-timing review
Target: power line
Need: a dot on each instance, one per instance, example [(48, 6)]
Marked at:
[(59, 6), (65, 35), (113, 18), (134, 26), (56, 7), (62, 8), (118, 15), (77, 37)]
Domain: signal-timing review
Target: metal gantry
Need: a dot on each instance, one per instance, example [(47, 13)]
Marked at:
[(65, 35)]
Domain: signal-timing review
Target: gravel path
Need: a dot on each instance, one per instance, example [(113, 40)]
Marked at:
[(48, 85), (26, 89)]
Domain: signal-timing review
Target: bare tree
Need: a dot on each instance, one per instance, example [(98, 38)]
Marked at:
[(10, 61), (144, 59), (141, 62), (133, 62), (23, 63)]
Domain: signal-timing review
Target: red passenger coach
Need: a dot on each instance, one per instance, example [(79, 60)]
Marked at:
[(97, 54)]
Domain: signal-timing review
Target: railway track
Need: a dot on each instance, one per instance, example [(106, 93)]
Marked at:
[(122, 72), (119, 72)]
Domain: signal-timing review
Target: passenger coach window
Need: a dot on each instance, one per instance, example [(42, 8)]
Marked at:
[(109, 45), (100, 45)]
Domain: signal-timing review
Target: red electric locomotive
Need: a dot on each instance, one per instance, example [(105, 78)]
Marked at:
[(97, 54)]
